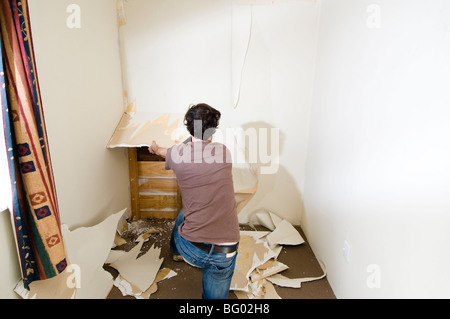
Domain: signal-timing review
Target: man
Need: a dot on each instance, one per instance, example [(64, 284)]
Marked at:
[(206, 231)]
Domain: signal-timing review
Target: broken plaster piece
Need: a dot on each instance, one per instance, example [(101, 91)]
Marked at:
[(251, 254), (84, 277), (269, 291), (114, 255), (118, 240), (283, 281), (145, 236), (88, 248), (141, 271), (254, 233), (53, 288), (140, 129), (268, 220), (257, 288), (269, 268), (285, 234), (128, 289)]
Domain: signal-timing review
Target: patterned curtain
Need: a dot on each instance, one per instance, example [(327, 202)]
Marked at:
[(35, 207)]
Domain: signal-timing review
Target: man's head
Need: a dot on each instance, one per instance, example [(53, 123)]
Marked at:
[(202, 120)]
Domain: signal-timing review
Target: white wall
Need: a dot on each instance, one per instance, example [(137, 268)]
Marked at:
[(378, 171), (80, 79), (178, 53), (276, 91)]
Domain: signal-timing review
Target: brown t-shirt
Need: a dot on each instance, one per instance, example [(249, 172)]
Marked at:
[(204, 174)]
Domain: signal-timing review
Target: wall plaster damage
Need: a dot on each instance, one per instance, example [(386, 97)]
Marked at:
[(140, 129)]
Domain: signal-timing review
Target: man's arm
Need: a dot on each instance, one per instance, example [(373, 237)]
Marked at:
[(155, 149)]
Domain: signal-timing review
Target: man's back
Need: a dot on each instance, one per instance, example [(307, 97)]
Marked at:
[(204, 174)]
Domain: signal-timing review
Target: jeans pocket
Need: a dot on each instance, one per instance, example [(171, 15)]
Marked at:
[(222, 265), (193, 255)]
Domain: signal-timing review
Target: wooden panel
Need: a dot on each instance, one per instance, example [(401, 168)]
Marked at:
[(179, 199), (134, 185), (154, 169), (143, 155), (159, 214), (158, 202), (152, 187), (167, 185)]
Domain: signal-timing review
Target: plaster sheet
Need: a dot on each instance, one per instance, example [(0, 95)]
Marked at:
[(53, 288), (84, 277), (285, 234), (88, 248), (268, 269), (283, 281), (251, 254), (257, 267), (141, 128), (268, 219), (142, 271), (128, 289)]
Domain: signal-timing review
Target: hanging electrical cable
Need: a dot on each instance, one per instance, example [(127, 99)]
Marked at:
[(245, 58)]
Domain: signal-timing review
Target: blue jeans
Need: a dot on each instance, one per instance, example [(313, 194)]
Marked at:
[(217, 268)]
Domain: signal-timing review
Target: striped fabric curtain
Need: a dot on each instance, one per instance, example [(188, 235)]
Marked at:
[(34, 203)]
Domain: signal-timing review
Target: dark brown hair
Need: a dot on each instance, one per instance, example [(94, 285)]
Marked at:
[(202, 120)]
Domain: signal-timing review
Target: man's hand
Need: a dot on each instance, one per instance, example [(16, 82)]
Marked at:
[(155, 149)]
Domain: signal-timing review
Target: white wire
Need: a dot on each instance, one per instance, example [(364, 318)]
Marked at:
[(245, 57)]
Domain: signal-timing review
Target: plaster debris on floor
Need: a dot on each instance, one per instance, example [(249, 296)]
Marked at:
[(257, 268), (89, 249), (133, 249), (139, 270), (84, 278)]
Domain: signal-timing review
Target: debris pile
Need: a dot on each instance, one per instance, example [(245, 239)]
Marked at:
[(138, 275), (257, 267), (89, 249), (139, 271)]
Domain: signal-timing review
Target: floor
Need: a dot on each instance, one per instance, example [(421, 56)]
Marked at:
[(187, 284)]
